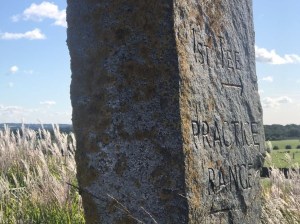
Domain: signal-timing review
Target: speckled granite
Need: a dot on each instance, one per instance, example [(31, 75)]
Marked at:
[(166, 110)]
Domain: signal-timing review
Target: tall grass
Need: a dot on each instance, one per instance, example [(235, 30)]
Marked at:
[(281, 195), (35, 168)]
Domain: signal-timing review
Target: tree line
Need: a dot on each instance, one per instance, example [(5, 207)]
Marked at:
[(281, 132)]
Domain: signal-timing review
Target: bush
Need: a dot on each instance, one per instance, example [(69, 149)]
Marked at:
[(298, 146), (288, 147), (275, 147)]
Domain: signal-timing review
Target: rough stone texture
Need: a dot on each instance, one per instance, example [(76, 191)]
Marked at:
[(166, 110)]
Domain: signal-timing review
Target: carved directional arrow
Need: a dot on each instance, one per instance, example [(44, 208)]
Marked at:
[(231, 85)]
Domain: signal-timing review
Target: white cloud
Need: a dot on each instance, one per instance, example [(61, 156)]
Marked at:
[(269, 102), (35, 34), (48, 103), (10, 110), (284, 99), (9, 113), (261, 91), (45, 10), (268, 79), (271, 57), (13, 69)]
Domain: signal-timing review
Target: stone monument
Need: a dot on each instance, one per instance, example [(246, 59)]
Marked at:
[(166, 110)]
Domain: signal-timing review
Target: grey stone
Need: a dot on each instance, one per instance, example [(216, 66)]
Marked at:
[(166, 110)]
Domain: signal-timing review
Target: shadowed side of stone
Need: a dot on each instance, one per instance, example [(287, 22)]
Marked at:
[(126, 116)]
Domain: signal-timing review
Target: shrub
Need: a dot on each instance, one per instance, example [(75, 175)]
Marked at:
[(298, 146), (276, 147), (288, 147)]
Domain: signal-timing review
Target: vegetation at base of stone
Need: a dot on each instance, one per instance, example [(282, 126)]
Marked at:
[(281, 196), (281, 132), (34, 171)]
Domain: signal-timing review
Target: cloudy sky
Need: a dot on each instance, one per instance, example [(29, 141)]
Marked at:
[(277, 29), (35, 70)]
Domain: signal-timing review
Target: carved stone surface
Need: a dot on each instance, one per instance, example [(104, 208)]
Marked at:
[(166, 110)]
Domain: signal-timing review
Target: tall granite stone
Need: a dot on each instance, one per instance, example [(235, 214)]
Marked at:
[(166, 110)]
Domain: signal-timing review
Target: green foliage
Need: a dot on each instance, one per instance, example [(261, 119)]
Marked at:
[(288, 147), (275, 147), (281, 132), (35, 169), (298, 147)]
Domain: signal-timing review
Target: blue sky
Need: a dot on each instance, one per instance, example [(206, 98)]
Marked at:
[(277, 29), (35, 64)]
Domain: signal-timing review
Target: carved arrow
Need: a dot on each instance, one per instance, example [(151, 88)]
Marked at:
[(231, 85)]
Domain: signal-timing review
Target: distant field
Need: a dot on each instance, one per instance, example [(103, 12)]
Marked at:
[(282, 143), (284, 158)]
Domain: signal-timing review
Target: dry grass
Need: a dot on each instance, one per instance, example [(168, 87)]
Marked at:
[(281, 196), (34, 170)]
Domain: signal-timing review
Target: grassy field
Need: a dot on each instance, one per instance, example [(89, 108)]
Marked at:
[(280, 158), (282, 143), (284, 158)]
